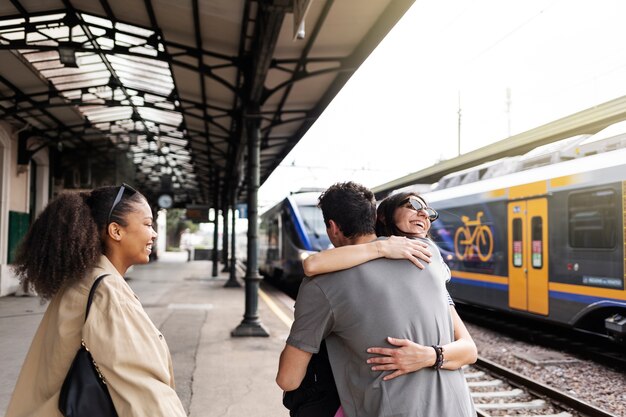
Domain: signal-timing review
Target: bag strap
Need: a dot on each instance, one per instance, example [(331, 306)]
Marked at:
[(92, 292)]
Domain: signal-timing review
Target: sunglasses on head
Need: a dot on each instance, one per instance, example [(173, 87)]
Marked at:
[(417, 205), (118, 198)]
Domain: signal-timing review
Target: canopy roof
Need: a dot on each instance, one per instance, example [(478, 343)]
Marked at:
[(169, 85)]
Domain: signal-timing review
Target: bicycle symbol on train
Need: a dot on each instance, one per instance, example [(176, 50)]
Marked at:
[(468, 242)]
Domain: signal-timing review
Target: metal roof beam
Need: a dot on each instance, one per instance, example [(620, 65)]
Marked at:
[(15, 44), (299, 76), (267, 24), (198, 38), (297, 73), (205, 70), (40, 105), (151, 15), (188, 50), (103, 57), (392, 14), (198, 51), (107, 9), (153, 21), (236, 145), (19, 8), (109, 67), (61, 125), (269, 20)]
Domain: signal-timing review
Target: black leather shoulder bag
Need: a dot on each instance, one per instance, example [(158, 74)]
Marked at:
[(84, 392)]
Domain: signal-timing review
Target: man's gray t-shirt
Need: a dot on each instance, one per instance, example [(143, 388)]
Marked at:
[(358, 308)]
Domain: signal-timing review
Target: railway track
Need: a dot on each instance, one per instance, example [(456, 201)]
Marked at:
[(498, 391), (587, 346)]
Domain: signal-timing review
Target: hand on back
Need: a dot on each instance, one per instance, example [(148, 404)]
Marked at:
[(407, 357), (400, 247)]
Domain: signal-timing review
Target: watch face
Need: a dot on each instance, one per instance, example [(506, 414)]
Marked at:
[(165, 201)]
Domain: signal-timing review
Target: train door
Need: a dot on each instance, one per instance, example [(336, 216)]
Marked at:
[(528, 255)]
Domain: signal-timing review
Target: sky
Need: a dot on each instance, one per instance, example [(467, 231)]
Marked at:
[(507, 65)]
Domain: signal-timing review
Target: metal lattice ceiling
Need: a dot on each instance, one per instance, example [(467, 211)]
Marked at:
[(168, 86)]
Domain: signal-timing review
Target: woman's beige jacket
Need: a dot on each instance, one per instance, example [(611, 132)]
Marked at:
[(129, 350)]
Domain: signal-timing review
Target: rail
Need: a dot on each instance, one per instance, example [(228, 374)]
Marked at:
[(535, 389)]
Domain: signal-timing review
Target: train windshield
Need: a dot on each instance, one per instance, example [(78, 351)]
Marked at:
[(314, 225)]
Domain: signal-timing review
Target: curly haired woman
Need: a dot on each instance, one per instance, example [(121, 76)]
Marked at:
[(76, 239)]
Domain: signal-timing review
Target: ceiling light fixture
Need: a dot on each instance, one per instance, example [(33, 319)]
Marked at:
[(67, 54)]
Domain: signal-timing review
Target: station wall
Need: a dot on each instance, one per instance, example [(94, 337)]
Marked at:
[(24, 192)]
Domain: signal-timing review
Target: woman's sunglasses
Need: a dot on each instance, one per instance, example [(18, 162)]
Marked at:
[(417, 205), (118, 198)]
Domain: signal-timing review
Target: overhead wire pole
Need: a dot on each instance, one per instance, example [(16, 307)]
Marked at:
[(458, 134), (508, 111)]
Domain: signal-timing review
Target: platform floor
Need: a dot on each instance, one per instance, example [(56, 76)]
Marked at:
[(216, 374)]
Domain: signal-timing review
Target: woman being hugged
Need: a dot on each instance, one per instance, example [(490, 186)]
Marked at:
[(76, 239)]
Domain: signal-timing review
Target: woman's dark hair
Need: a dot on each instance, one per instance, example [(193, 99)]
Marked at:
[(351, 206), (385, 214), (65, 242)]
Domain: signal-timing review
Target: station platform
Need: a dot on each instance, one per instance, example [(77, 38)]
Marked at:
[(216, 374)]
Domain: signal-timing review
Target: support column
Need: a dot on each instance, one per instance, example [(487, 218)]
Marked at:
[(215, 225), (232, 275), (251, 324), (225, 236)]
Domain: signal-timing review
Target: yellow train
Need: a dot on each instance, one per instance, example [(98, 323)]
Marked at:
[(541, 235)]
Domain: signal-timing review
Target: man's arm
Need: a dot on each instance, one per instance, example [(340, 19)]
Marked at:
[(292, 367)]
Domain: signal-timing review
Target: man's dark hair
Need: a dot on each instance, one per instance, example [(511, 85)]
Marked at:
[(350, 205)]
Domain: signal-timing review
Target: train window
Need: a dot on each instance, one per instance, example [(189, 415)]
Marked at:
[(314, 226), (536, 226), (313, 219), (517, 243), (273, 237), (272, 234), (592, 219), (290, 231)]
